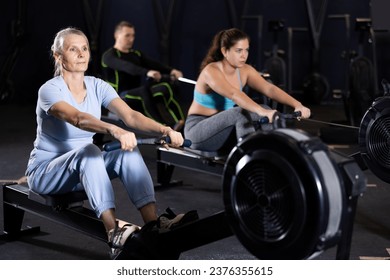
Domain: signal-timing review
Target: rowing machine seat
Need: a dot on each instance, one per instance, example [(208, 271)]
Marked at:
[(57, 201)]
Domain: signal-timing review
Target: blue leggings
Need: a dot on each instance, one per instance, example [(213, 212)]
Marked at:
[(91, 170)]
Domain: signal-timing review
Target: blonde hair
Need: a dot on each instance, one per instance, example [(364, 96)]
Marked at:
[(58, 46)]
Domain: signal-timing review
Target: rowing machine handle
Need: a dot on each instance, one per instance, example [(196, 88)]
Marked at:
[(294, 115), (279, 115), (115, 145), (278, 120)]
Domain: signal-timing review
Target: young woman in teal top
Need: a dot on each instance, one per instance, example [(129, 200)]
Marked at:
[(220, 107)]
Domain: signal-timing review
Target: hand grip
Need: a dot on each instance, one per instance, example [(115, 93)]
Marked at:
[(277, 115), (186, 143), (115, 145)]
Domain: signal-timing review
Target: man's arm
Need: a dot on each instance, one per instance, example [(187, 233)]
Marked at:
[(114, 62), (162, 68), (152, 64)]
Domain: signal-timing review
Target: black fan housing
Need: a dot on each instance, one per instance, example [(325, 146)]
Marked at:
[(283, 195), (374, 138)]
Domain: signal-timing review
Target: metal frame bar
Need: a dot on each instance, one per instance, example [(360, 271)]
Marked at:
[(16, 202), (168, 159)]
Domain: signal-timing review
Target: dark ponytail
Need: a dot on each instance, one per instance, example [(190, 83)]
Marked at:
[(223, 39)]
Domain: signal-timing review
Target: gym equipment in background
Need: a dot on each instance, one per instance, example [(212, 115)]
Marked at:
[(253, 24), (275, 65), (315, 86), (18, 26), (374, 136), (362, 74)]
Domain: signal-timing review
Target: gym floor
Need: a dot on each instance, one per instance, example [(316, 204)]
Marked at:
[(201, 191)]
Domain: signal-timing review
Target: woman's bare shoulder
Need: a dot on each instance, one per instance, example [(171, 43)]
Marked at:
[(211, 67), (247, 68)]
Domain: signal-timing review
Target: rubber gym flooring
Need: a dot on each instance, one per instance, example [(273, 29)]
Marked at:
[(201, 191)]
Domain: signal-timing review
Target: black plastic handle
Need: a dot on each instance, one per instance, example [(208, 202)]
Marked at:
[(115, 145), (278, 115), (294, 115)]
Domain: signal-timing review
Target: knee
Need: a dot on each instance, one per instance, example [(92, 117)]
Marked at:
[(89, 153), (163, 88), (134, 160), (90, 150), (133, 157)]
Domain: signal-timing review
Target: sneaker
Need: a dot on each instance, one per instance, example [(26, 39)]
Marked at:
[(170, 220), (117, 238)]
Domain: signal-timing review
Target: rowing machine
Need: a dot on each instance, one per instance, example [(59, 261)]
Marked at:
[(204, 161), (286, 196), (69, 210), (374, 136)]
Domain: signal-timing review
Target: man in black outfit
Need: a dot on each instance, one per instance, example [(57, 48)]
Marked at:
[(145, 84)]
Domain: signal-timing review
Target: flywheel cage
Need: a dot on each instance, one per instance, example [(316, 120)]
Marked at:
[(374, 138), (282, 194)]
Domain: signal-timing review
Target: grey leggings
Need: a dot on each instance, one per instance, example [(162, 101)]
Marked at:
[(212, 133)]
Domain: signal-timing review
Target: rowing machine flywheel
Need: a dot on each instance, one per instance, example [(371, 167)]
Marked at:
[(374, 138), (284, 194)]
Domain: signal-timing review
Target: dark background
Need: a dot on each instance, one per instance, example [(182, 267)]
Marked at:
[(179, 33), (27, 29)]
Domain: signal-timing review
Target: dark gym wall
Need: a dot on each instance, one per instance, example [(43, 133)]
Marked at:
[(381, 22), (33, 33), (192, 27)]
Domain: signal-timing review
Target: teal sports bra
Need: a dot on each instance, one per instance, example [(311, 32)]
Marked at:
[(214, 100)]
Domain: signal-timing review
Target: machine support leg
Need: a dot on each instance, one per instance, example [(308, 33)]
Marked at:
[(164, 175), (344, 247)]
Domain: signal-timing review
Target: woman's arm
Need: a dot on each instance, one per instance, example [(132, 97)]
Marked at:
[(88, 122), (64, 111), (138, 121), (259, 84), (213, 78)]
